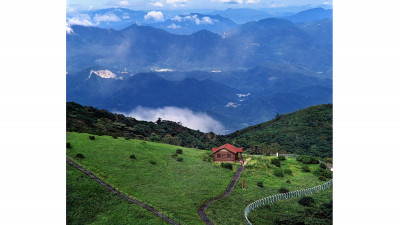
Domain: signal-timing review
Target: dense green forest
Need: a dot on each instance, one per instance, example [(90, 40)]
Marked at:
[(305, 132)]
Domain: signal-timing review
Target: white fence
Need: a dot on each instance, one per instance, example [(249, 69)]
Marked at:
[(283, 196)]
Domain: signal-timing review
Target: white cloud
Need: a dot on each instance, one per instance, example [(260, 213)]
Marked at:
[(278, 5), (253, 1), (69, 29), (176, 3), (327, 3), (195, 120), (194, 18), (157, 4), (155, 15), (106, 18), (123, 3), (90, 7), (229, 1), (80, 19), (173, 26)]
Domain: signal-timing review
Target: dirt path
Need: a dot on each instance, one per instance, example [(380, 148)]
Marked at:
[(119, 193), (227, 193)]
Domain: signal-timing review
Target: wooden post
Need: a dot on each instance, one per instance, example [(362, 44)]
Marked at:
[(243, 184)]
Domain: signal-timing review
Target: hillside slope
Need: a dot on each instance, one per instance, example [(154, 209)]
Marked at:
[(307, 131)]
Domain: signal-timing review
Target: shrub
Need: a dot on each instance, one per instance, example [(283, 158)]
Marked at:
[(283, 190), (327, 174), (276, 162), (153, 162), (306, 201), (115, 136), (288, 171), (79, 155), (281, 158), (288, 181), (179, 159), (208, 157), (174, 155), (132, 156), (306, 159), (227, 165), (260, 184), (322, 178), (128, 138), (92, 138), (179, 151), (306, 169), (68, 145), (323, 166), (278, 172)]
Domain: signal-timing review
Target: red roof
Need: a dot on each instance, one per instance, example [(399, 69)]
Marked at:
[(228, 147)]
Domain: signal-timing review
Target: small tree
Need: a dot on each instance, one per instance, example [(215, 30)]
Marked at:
[(132, 156), (260, 184), (283, 190), (179, 151), (276, 162), (281, 158), (306, 169), (92, 138), (288, 171), (179, 159), (278, 173), (306, 201)]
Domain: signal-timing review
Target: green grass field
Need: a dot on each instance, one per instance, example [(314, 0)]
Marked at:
[(173, 188), (90, 203), (231, 209)]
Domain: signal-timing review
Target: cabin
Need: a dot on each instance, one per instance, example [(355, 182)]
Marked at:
[(227, 153)]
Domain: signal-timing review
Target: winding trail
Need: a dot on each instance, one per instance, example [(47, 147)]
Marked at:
[(121, 195), (203, 208)]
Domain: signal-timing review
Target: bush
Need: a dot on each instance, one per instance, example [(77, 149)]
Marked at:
[(322, 178), (179, 159), (278, 172), (208, 157), (288, 181), (153, 162), (306, 201), (174, 155), (132, 156), (69, 145), (115, 136), (281, 158), (323, 166), (283, 190), (79, 155), (92, 138), (260, 184), (288, 171), (306, 159), (179, 151), (327, 174), (128, 138), (276, 162), (227, 165), (306, 169)]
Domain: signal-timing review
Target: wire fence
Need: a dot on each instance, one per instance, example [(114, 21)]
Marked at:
[(283, 196)]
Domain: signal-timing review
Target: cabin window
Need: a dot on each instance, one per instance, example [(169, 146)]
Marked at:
[(228, 156), (218, 155)]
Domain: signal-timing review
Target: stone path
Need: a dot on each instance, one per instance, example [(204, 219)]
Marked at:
[(119, 193), (227, 193)]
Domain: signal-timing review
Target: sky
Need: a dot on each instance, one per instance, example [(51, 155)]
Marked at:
[(190, 4)]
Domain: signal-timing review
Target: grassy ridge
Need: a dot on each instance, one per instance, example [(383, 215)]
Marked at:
[(304, 132), (90, 203), (174, 188), (231, 209)]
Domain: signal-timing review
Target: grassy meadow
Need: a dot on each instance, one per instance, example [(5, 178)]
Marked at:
[(155, 177), (230, 210)]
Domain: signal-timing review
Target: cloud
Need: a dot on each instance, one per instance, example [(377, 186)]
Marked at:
[(194, 18), (173, 26), (157, 4), (155, 15), (90, 7), (229, 1), (106, 18), (123, 3), (194, 120), (69, 29), (80, 19), (253, 1), (327, 3), (176, 3), (277, 5)]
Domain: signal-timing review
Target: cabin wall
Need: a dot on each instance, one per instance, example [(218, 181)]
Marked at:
[(224, 156)]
